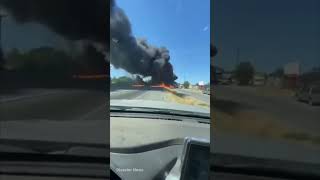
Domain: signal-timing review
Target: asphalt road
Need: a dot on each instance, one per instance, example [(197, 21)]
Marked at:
[(155, 95), (286, 109), (126, 94), (66, 104), (59, 104)]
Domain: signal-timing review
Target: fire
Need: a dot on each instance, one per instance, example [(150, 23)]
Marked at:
[(163, 85), (91, 76)]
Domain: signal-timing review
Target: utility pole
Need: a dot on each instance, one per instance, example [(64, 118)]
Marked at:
[(1, 53), (2, 15), (237, 56)]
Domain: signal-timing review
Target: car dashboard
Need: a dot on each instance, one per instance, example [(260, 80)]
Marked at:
[(173, 159)]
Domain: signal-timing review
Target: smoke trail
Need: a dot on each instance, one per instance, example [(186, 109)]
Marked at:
[(134, 55)]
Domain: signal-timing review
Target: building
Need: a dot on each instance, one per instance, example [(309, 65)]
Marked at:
[(201, 85), (217, 75), (226, 78), (259, 79), (291, 75)]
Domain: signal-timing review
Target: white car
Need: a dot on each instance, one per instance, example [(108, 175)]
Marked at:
[(206, 91)]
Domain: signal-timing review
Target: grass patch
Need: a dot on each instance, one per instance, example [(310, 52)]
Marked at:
[(182, 99), (258, 124), (316, 140), (302, 137), (297, 136), (269, 91)]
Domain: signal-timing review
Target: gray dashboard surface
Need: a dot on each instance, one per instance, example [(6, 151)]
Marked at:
[(155, 164), (134, 132)]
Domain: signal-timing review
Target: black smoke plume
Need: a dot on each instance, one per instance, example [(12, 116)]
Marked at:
[(73, 19), (134, 55)]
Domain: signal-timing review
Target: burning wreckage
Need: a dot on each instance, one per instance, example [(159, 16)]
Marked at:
[(137, 56), (142, 83)]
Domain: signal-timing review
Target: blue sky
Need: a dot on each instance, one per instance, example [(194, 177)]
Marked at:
[(268, 33), (183, 26)]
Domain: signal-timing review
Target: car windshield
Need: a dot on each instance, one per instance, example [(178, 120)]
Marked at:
[(162, 57), (270, 49), (160, 70), (53, 75)]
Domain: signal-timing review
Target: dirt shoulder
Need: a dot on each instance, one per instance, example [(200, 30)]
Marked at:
[(184, 99), (264, 90), (258, 124)]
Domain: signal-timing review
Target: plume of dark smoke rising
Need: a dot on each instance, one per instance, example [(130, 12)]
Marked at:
[(75, 20), (135, 55)]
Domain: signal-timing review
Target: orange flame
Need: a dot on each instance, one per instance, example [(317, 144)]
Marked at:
[(163, 85), (91, 76)]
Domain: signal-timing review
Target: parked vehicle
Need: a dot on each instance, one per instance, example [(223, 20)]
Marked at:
[(206, 91), (310, 94), (226, 79)]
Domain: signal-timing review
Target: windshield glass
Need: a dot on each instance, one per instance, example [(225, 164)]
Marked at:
[(271, 50), (160, 70), (53, 74), (160, 53)]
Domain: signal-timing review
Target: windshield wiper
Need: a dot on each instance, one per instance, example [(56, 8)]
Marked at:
[(14, 156), (158, 111), (47, 147)]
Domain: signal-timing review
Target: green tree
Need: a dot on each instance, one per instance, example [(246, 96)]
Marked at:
[(14, 59), (44, 60), (186, 84), (2, 60), (278, 72), (123, 80), (244, 73)]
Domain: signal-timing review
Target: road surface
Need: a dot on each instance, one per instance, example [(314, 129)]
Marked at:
[(285, 109), (68, 104), (58, 104), (156, 95)]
